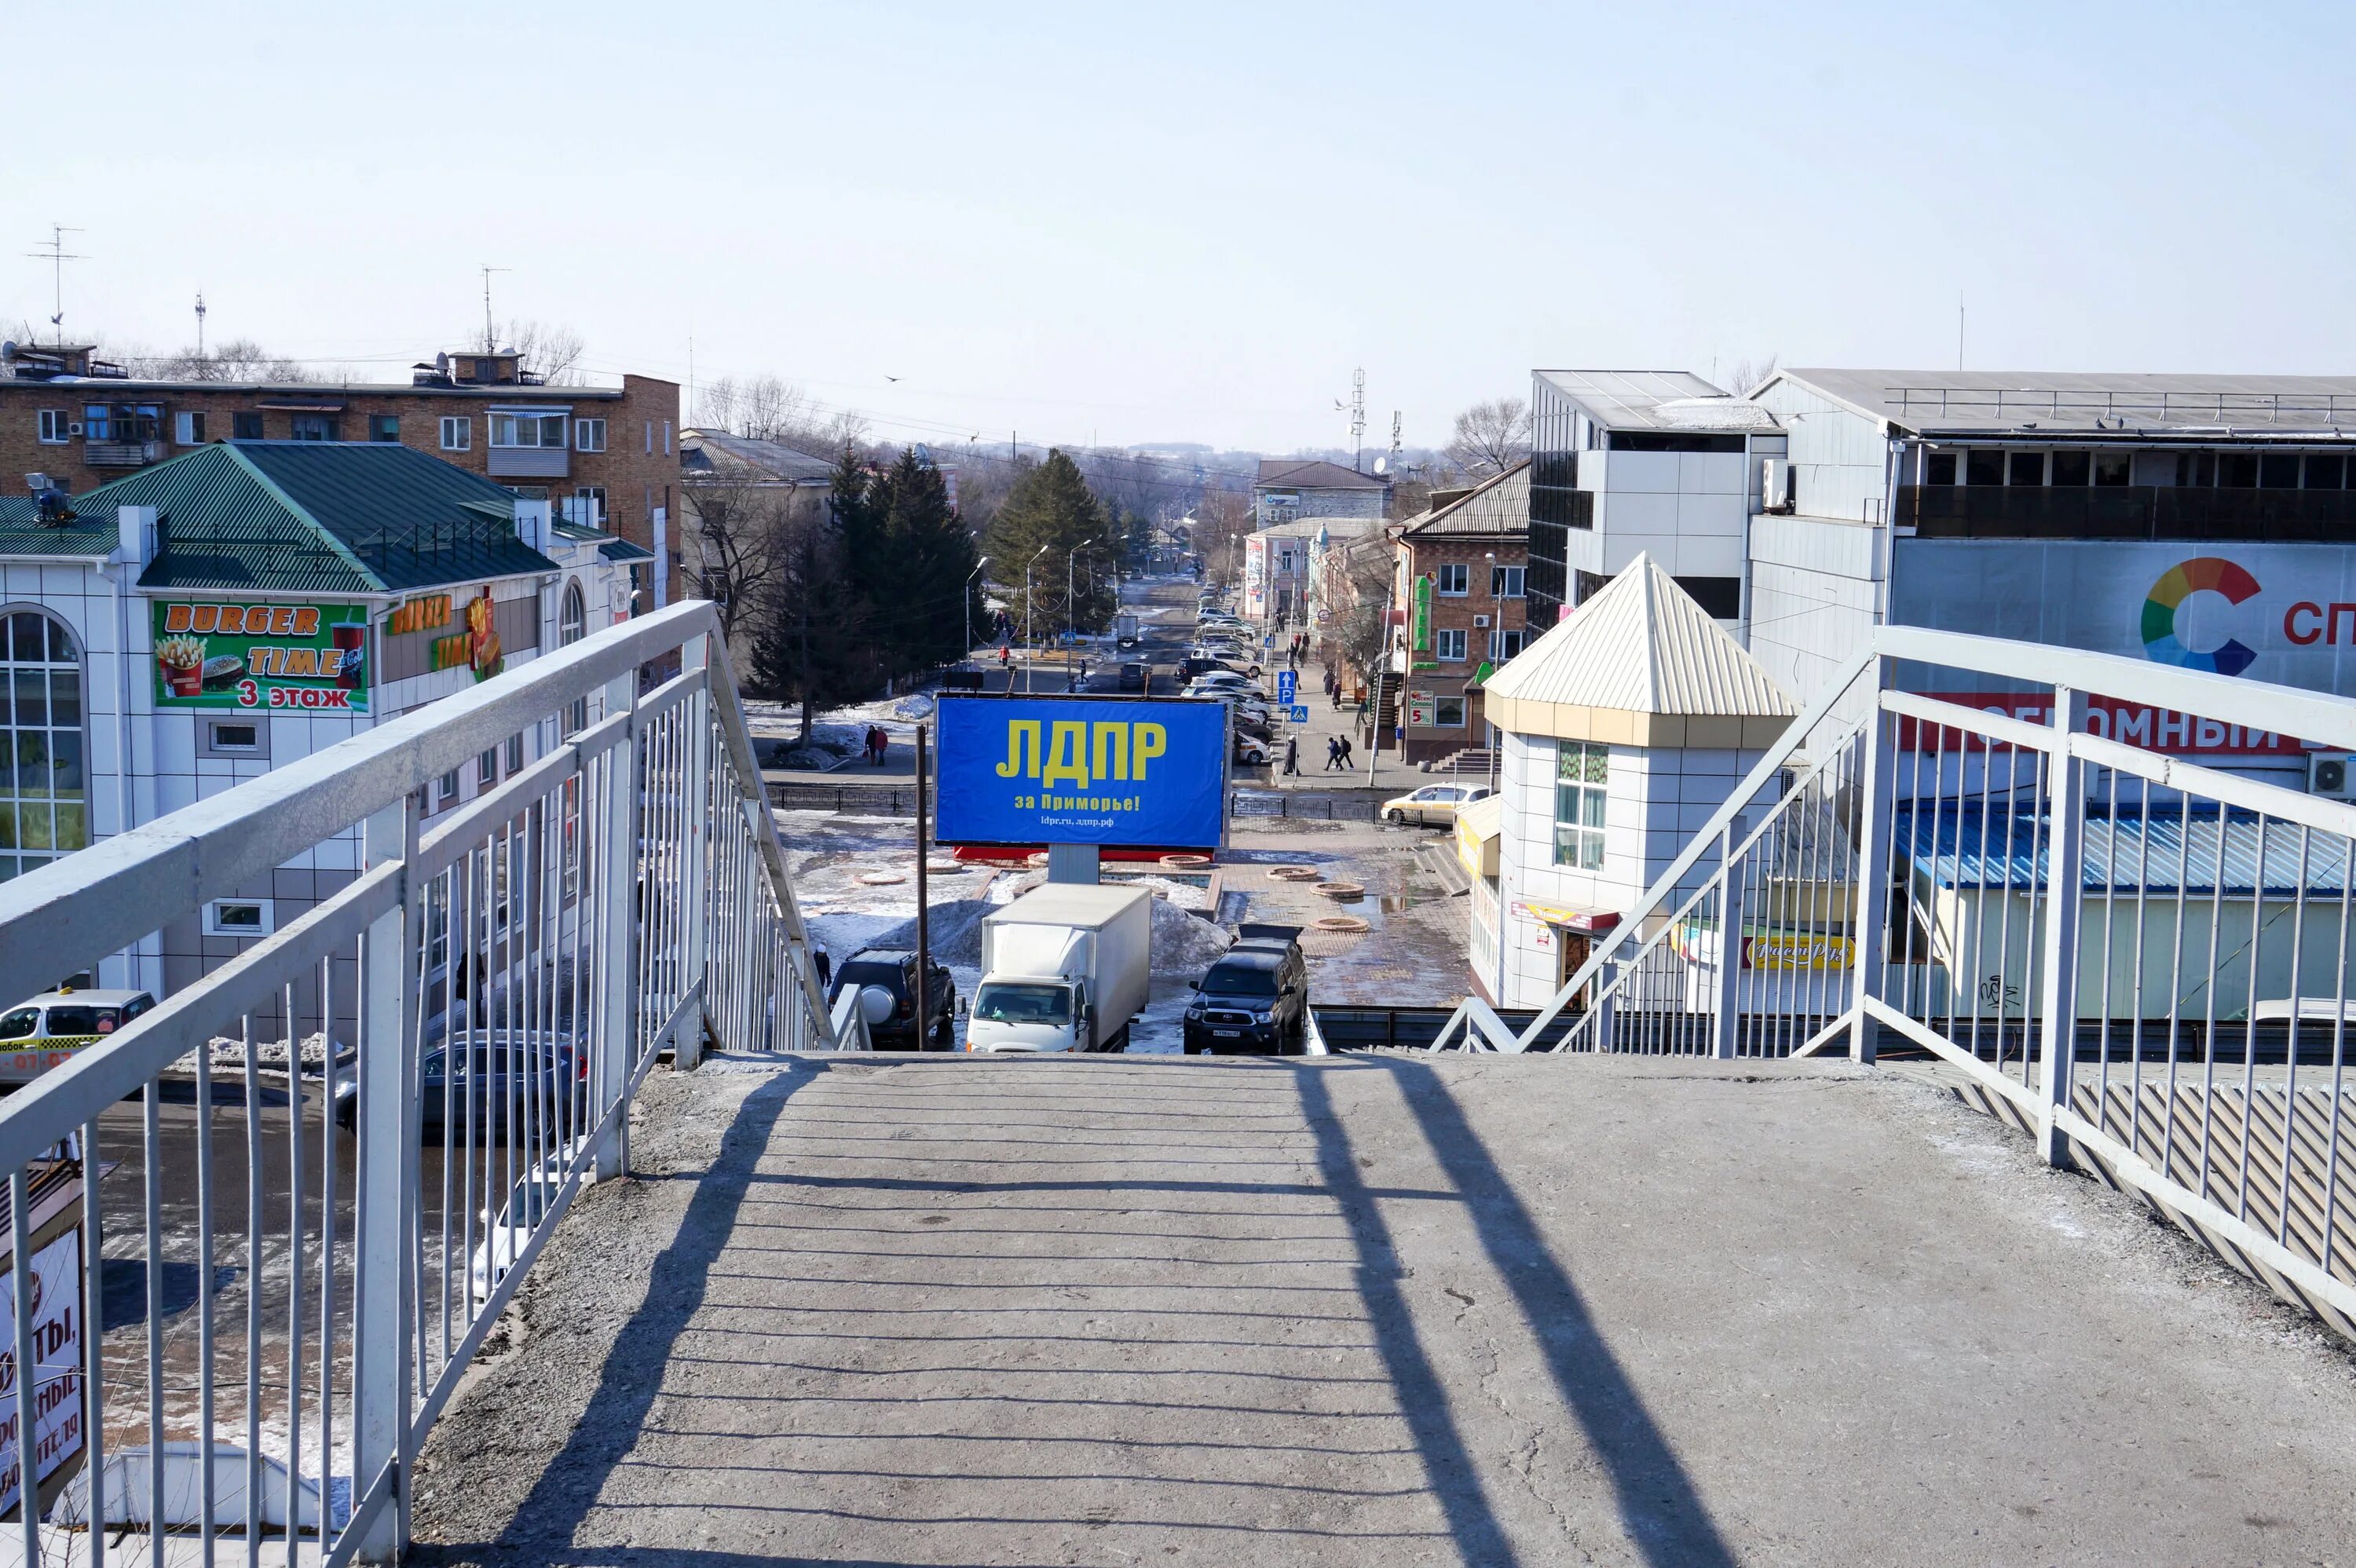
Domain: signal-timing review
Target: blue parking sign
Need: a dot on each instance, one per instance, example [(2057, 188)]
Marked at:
[(1285, 684)]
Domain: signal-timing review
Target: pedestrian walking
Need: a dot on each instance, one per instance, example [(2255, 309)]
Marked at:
[(1292, 754), (825, 968), (1333, 752), (1346, 749)]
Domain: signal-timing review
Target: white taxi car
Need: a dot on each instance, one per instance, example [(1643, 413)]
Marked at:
[(44, 1032)]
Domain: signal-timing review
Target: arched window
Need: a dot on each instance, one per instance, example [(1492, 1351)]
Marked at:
[(574, 620), (572, 626), (44, 786)]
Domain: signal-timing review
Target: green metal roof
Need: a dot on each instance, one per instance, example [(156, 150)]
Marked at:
[(320, 516), (623, 549), (22, 533)]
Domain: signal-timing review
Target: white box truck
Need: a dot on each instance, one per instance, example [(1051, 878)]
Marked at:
[(1125, 630), (1063, 967)]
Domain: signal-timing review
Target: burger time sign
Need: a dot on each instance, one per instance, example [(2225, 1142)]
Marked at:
[(261, 656)]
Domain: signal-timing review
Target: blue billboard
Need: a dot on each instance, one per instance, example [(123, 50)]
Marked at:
[(1061, 770)]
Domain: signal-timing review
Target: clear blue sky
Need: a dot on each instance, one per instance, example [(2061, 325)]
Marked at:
[(1192, 221)]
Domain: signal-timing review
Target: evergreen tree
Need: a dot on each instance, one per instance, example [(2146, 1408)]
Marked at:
[(810, 632), (1048, 516)]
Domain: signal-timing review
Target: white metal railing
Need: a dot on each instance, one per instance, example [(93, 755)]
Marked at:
[(2145, 960), (321, 1257)]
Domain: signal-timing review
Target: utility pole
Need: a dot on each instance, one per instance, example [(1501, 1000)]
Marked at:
[(57, 256), (200, 324)]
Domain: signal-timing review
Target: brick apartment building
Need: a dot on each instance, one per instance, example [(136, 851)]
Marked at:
[(1458, 572), (603, 456)]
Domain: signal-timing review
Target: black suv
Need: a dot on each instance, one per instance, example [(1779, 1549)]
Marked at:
[(1254, 998), (894, 971)]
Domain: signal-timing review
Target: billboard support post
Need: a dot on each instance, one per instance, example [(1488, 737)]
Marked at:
[(924, 924), (1074, 863)]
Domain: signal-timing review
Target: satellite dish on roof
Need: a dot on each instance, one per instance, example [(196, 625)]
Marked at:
[(1382, 465), (7, 351)]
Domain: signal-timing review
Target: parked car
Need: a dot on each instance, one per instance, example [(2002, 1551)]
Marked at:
[(1252, 749), (893, 972), (499, 1082), (1433, 805), (44, 1032), (1256, 998)]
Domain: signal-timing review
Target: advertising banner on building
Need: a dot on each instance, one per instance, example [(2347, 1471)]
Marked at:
[(57, 1358), (213, 655), (1423, 614), (2284, 613), (1076, 771)]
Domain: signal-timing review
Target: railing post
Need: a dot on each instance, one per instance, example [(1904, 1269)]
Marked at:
[(384, 1180), (1729, 950), (2064, 893), (1870, 900), (1606, 996), (687, 1045), (617, 888)]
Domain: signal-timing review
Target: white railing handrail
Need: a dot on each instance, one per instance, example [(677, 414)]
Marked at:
[(1704, 840), (55, 919), (2314, 716), (2311, 716)]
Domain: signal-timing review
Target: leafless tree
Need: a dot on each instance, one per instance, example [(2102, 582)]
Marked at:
[(1222, 517), (1359, 624), (239, 359), (769, 408), (1490, 437), (549, 351), (1747, 374), (737, 537)]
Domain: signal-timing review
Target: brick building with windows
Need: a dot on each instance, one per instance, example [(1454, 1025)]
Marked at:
[(604, 457), (1458, 570)]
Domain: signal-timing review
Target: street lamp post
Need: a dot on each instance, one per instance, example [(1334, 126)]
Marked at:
[(1029, 641), (967, 606), (1071, 608)]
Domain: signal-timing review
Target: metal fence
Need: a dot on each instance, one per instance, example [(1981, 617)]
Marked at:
[(2143, 960), (253, 1289)]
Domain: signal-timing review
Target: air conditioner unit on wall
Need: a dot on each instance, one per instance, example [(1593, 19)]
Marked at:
[(73, 427), (2331, 773), (1480, 620)]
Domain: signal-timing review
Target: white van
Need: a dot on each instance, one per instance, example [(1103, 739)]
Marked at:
[(46, 1030)]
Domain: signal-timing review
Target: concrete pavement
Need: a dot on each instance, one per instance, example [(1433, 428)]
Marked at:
[(1372, 1311)]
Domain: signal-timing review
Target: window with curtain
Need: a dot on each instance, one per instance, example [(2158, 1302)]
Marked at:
[(1581, 773)]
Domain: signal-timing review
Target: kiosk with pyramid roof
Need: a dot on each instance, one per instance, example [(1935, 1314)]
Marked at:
[(1623, 728)]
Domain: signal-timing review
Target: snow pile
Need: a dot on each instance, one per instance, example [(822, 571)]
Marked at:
[(271, 1055), (830, 745), (916, 706), (1185, 943), (956, 933)]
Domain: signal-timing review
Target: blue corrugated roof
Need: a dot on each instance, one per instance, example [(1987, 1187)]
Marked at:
[(2203, 851)]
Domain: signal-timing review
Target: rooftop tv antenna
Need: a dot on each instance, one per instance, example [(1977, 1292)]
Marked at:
[(1395, 440), (490, 341), (56, 255)]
